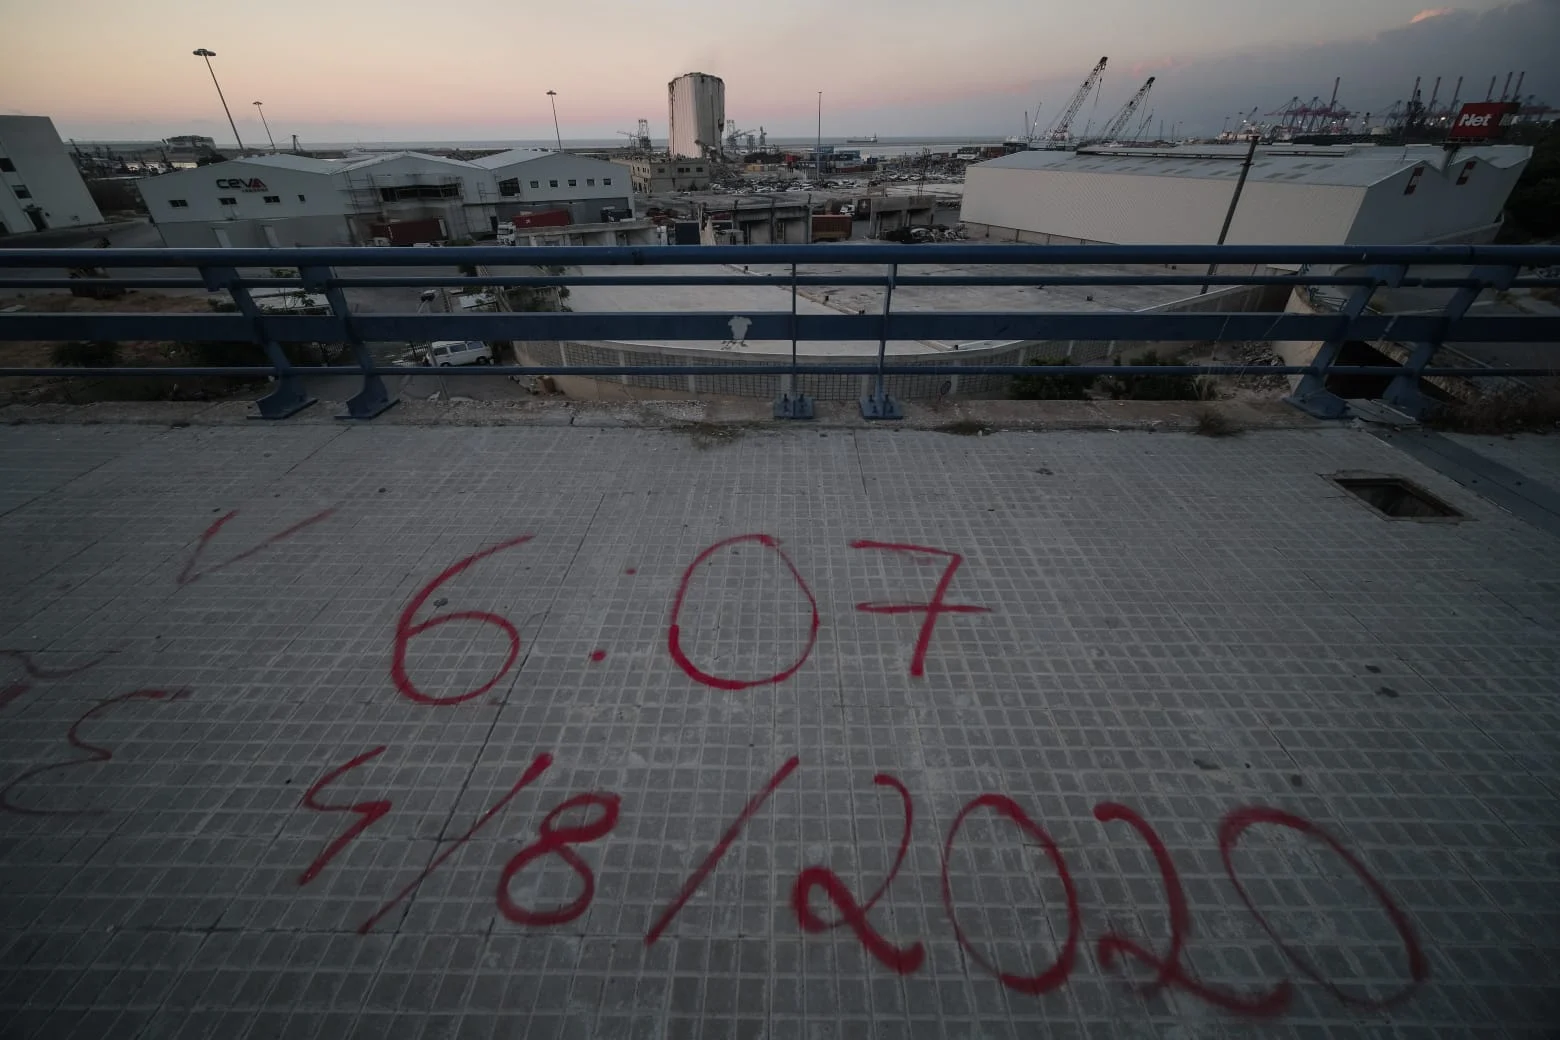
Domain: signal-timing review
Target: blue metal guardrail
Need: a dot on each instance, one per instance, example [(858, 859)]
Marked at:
[(1361, 270)]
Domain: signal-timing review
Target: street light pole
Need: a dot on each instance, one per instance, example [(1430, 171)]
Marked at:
[(259, 108), (552, 95), (202, 52), (819, 155)]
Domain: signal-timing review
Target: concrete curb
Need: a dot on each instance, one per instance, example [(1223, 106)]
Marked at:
[(969, 417)]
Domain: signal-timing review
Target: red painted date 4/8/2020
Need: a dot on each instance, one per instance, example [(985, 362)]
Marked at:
[(557, 839)]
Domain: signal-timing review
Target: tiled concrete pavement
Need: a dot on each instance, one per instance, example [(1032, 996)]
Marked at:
[(226, 758)]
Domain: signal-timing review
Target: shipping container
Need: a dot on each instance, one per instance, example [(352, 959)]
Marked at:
[(543, 218), (686, 233), (411, 232)]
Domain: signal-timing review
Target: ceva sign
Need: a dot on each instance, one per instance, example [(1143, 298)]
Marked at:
[(240, 184), (1483, 120)]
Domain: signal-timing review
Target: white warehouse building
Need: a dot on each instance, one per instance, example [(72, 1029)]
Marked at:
[(40, 187), (1332, 195), (293, 200)]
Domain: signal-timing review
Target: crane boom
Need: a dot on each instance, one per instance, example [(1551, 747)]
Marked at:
[(1061, 130), (1118, 122)]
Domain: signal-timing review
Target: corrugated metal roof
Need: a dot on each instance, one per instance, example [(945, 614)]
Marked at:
[(284, 161), (511, 157), (1350, 166), (388, 156)]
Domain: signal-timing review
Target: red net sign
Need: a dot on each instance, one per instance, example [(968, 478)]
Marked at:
[(1483, 120)]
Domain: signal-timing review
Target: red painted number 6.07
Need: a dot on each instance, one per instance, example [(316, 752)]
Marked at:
[(406, 630)]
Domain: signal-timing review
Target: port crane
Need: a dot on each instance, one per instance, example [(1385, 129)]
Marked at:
[(1060, 133), (1118, 123), (640, 138)]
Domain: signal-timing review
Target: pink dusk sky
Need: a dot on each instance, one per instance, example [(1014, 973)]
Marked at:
[(397, 70)]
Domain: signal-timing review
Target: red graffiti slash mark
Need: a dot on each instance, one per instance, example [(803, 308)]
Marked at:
[(674, 631), (556, 840), (1235, 824), (1169, 969), (94, 752), (18, 687), (931, 609), (1056, 975), (37, 671), (726, 840), (902, 960), (406, 631), (369, 811), (537, 767), (189, 575)]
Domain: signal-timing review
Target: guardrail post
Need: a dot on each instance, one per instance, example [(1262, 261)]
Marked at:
[(878, 405), (1312, 395), (373, 398), (1405, 392), (289, 397), (792, 403)]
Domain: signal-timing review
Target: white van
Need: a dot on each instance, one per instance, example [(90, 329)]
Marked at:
[(446, 353)]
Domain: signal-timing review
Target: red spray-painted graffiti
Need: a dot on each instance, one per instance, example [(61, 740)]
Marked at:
[(1170, 970), (37, 671), (674, 630), (369, 811), (1057, 973), (189, 575), (537, 767), (33, 670), (931, 609), (903, 960), (94, 752), (598, 813), (556, 840), (405, 631), (1238, 822), (721, 847)]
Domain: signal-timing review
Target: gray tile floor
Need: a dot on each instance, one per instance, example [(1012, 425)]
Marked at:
[(280, 797)]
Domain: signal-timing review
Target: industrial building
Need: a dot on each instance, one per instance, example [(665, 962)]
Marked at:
[(661, 176), (288, 200), (696, 104), (40, 187), (1312, 196), (527, 178)]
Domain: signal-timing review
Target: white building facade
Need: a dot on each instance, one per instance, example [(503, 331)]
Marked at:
[(1293, 195), (290, 200), (40, 187), (696, 117)]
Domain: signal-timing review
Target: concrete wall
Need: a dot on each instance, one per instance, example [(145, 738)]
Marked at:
[(849, 388), (45, 171), (328, 230), (1143, 210), (619, 234)]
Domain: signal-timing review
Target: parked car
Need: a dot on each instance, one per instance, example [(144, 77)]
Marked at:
[(447, 353)]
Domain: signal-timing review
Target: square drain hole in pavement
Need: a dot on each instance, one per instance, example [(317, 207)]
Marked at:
[(1396, 498)]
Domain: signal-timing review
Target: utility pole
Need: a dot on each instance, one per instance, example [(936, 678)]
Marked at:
[(202, 52), (261, 109), (552, 95), (1229, 218)]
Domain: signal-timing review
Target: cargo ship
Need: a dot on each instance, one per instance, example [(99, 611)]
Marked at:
[(862, 140)]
